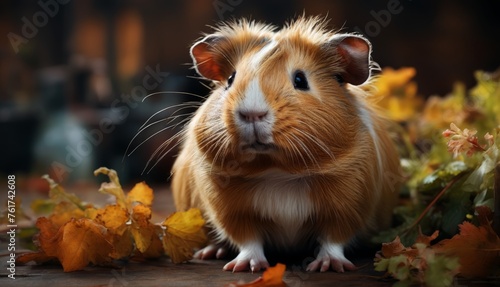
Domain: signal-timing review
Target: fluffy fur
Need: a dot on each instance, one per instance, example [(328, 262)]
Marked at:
[(325, 171)]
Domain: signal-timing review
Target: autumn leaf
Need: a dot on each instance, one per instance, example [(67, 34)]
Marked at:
[(142, 230), (113, 217), (477, 247), (183, 233), (75, 244), (396, 94), (272, 277), (58, 194), (155, 249), (142, 193), (113, 187), (416, 264), (63, 212)]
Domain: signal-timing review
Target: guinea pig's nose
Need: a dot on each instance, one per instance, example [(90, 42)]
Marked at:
[(252, 116)]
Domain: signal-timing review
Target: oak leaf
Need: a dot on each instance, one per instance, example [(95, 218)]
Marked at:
[(183, 233)]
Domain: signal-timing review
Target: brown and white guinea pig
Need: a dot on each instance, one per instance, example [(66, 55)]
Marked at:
[(285, 150)]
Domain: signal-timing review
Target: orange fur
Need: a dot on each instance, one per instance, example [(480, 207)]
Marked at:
[(322, 143)]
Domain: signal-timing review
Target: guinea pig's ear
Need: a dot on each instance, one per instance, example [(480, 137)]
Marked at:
[(206, 59), (354, 52)]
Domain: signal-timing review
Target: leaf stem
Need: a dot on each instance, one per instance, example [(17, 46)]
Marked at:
[(496, 198), (433, 202)]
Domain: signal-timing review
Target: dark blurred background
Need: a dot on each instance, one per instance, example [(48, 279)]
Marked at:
[(73, 73)]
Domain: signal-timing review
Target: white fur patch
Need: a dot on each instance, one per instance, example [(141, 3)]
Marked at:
[(259, 57), (283, 198), (367, 121), (254, 101)]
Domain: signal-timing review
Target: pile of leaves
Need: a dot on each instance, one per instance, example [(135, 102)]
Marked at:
[(78, 234), (450, 155)]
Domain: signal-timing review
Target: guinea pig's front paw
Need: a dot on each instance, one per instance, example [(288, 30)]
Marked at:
[(211, 251), (251, 257), (331, 255)]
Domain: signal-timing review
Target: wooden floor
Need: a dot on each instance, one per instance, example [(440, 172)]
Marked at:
[(195, 273), (164, 273)]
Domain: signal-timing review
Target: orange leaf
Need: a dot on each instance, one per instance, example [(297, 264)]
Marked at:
[(272, 277), (76, 244), (422, 238), (140, 193), (113, 217), (123, 245), (393, 248), (477, 248), (183, 233)]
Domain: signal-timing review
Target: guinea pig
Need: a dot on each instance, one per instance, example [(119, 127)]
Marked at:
[(286, 150)]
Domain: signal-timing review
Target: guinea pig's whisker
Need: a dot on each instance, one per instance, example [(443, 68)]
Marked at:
[(183, 106), (306, 150), (297, 150), (161, 149), (173, 92), (316, 141), (143, 128), (156, 133)]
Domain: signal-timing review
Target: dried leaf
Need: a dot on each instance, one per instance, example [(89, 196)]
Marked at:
[(272, 277), (58, 194), (113, 217), (113, 187), (155, 249), (76, 244), (142, 193), (183, 233), (142, 230), (64, 211)]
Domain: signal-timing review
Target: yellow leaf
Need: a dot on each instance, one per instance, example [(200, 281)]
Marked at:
[(142, 230), (183, 233), (396, 94), (155, 249), (140, 193), (113, 187)]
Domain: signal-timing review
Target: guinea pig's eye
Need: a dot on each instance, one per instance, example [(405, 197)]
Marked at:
[(339, 79), (230, 80), (300, 81)]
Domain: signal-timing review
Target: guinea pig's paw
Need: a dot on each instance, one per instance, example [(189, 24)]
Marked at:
[(211, 251), (331, 256), (251, 257)]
